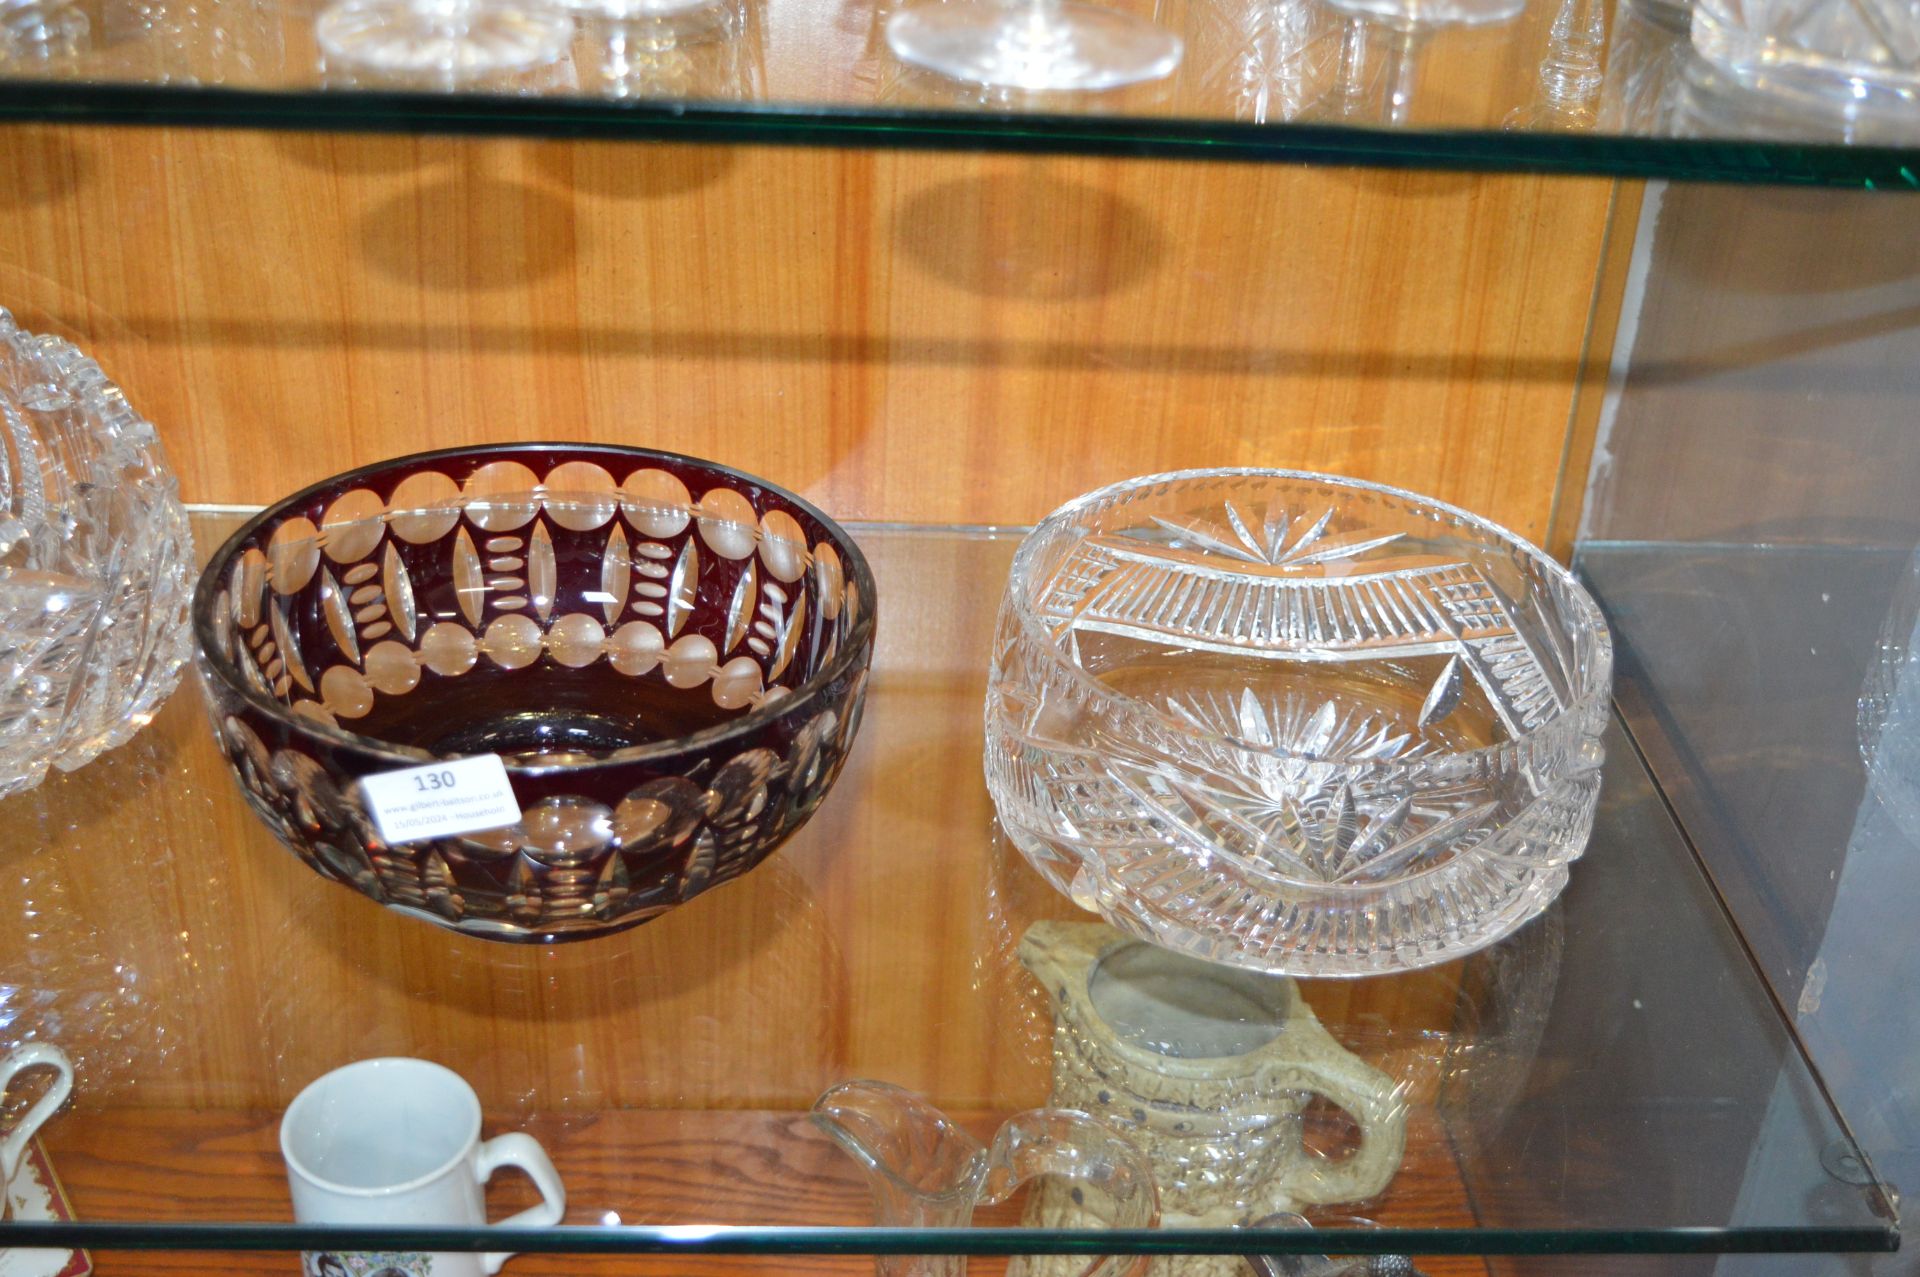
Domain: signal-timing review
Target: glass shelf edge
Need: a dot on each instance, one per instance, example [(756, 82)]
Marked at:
[(742, 1240), (1731, 161)]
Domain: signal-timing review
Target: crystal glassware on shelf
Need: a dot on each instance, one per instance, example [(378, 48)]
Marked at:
[(448, 42), (96, 562), (711, 49), (239, 42), (1647, 53), (670, 666), (1038, 45), (1295, 722), (1265, 61), (647, 27), (926, 1171), (42, 37), (1709, 103), (1567, 86), (1860, 58), (1406, 26)]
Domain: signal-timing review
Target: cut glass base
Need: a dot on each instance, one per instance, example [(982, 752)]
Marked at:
[(1855, 60), (1036, 47), (455, 39)]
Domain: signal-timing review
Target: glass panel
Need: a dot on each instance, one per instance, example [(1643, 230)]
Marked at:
[(1751, 535), (1559, 86), (1612, 1077)]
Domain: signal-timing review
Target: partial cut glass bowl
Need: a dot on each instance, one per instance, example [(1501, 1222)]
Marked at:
[(668, 656), (96, 562), (1295, 722)]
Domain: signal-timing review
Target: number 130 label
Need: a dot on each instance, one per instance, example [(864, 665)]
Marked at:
[(441, 799)]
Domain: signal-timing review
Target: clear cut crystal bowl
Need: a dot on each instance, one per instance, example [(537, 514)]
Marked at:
[(1294, 722), (96, 562)]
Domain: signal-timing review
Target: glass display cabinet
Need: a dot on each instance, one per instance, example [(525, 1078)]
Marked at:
[(1543, 261)]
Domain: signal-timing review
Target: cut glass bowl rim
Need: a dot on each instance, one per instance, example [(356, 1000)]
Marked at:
[(86, 386), (852, 652), (1593, 693)]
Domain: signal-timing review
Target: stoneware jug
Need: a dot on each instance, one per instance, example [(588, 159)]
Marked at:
[(1206, 1068)]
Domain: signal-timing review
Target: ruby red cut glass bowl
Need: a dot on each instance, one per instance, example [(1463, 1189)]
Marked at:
[(669, 657)]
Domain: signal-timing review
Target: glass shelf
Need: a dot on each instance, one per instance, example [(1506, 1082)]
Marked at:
[(1613, 1078), (1261, 80)]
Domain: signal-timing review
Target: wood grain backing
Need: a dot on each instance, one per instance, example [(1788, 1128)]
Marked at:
[(647, 1167), (900, 336)]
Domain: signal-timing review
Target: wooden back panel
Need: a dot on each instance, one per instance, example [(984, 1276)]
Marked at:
[(899, 336)]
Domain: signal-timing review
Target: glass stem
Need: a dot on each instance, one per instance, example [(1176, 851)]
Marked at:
[(1350, 82), (1570, 74), (1403, 72)]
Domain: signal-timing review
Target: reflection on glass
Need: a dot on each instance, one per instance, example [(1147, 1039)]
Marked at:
[(1261, 60), (1032, 44), (451, 41), (1889, 715), (1567, 88)]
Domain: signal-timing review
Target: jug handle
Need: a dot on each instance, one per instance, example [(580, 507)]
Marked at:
[(1375, 1102), (1076, 1146), (13, 1149)]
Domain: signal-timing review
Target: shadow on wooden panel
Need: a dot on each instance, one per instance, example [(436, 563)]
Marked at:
[(469, 233), (1028, 235), (1405, 186), (64, 170), (626, 171), (357, 153), (748, 346)]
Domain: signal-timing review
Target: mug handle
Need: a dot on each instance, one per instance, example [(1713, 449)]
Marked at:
[(1375, 1102), (523, 1152), (1074, 1145), (32, 1055)]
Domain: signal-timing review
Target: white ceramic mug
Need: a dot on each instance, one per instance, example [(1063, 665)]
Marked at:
[(13, 1149), (397, 1141)]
